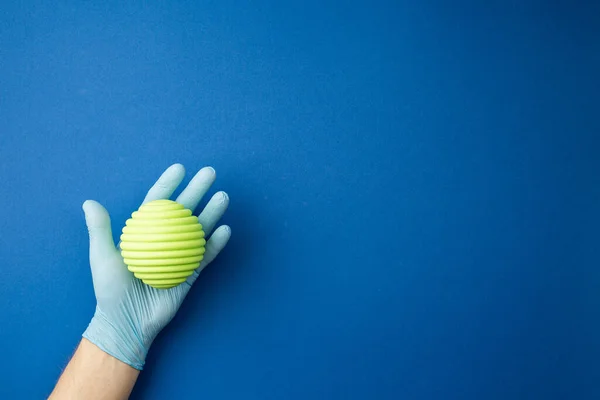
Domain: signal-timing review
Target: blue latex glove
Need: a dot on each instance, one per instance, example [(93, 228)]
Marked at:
[(129, 314)]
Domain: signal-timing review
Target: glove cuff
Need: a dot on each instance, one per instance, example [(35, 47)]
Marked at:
[(124, 346)]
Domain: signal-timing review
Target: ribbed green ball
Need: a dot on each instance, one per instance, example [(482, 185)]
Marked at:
[(162, 243)]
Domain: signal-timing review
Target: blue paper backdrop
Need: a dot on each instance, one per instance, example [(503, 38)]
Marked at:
[(415, 192)]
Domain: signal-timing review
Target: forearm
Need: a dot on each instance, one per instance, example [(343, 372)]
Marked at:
[(94, 375)]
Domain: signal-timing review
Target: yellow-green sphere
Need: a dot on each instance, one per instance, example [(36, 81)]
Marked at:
[(162, 243)]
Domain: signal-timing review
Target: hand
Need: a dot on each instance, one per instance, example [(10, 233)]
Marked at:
[(129, 314)]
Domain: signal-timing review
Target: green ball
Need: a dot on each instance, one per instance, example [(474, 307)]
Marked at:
[(162, 243)]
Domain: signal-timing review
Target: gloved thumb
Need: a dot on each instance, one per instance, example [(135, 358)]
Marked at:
[(98, 224)]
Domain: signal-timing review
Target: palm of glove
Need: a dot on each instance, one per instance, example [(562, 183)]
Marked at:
[(147, 309), (129, 313)]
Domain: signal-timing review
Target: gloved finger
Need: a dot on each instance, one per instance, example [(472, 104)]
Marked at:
[(213, 212), (98, 224), (197, 188), (215, 244), (166, 184)]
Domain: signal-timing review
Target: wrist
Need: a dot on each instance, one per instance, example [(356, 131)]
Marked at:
[(94, 374), (126, 345)]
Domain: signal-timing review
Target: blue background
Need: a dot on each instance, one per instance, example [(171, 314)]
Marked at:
[(415, 192)]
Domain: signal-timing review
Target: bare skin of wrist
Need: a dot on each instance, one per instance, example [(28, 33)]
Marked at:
[(94, 375)]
